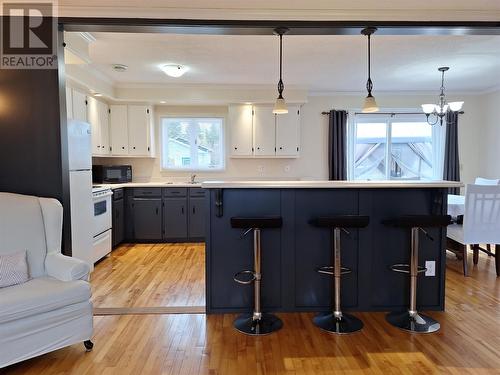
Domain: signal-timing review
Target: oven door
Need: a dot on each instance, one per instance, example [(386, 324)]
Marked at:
[(102, 213), (101, 245)]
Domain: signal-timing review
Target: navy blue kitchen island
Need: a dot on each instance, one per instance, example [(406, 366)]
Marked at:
[(291, 254)]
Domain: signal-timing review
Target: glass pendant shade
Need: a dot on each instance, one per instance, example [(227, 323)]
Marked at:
[(370, 105), (456, 106), (428, 108), (280, 107)]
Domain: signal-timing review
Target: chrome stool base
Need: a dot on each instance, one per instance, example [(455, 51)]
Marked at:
[(343, 325), (268, 323), (418, 323)]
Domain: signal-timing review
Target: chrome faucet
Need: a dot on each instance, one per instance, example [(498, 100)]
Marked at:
[(193, 176)]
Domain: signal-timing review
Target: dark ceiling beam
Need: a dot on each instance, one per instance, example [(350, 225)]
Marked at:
[(249, 27)]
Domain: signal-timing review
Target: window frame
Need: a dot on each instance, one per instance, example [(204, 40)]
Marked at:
[(222, 168), (438, 137)]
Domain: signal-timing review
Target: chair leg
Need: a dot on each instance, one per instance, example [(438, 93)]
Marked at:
[(488, 247), (475, 250), (88, 345), (464, 260), (497, 259)]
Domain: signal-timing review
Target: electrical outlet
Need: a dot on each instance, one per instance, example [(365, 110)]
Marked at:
[(260, 169), (431, 268)]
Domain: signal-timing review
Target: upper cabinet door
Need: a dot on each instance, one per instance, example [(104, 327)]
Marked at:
[(78, 106), (264, 129), (69, 103), (288, 132), (240, 128), (104, 127), (139, 129), (118, 126), (94, 120)]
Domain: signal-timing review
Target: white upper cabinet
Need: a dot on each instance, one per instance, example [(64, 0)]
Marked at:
[(69, 103), (104, 127), (257, 132), (241, 129), (98, 117), (139, 130), (264, 131), (288, 132), (78, 106), (118, 126), (93, 119)]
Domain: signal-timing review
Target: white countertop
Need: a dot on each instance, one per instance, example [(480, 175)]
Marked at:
[(152, 184), (328, 184)]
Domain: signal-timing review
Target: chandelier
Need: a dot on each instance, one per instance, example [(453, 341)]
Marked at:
[(440, 110)]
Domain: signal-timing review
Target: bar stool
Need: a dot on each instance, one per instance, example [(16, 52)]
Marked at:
[(257, 323), (412, 320), (337, 321)]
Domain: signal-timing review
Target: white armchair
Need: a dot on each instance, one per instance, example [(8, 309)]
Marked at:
[(53, 309)]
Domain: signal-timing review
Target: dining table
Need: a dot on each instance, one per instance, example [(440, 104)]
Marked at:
[(456, 205)]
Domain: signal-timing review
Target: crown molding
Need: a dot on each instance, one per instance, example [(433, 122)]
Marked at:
[(297, 14), (314, 93)]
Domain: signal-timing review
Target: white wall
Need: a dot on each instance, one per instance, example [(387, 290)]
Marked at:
[(489, 147), (313, 161)]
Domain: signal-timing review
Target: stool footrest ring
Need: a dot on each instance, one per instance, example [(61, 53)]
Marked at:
[(405, 268), (328, 270), (244, 282)]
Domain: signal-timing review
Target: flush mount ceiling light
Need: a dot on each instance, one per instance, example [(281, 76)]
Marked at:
[(120, 68), (442, 108), (280, 106), (174, 70), (97, 94), (370, 105)]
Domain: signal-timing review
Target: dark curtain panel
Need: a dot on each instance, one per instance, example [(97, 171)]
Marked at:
[(451, 161), (337, 145)]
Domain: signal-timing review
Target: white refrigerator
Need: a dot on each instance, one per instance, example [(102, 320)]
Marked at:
[(80, 182)]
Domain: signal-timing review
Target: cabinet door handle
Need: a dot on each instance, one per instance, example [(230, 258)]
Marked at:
[(156, 210), (194, 209), (182, 210)]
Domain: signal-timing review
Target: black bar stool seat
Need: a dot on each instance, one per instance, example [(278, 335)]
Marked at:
[(256, 323), (337, 321), (341, 221), (257, 222), (412, 320), (419, 221)]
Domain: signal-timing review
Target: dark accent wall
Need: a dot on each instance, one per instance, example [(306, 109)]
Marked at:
[(33, 137)]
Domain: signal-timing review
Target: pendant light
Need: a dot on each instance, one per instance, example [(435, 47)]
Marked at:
[(370, 104), (280, 106)]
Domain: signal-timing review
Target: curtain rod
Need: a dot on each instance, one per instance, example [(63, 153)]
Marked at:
[(387, 113)]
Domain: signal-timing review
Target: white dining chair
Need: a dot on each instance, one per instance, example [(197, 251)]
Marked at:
[(481, 224), (487, 181)]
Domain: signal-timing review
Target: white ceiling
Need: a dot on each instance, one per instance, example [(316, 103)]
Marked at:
[(318, 63)]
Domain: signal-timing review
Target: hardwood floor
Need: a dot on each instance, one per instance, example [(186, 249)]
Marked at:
[(150, 275), (468, 342)]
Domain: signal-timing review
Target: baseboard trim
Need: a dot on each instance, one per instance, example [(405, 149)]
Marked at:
[(98, 311)]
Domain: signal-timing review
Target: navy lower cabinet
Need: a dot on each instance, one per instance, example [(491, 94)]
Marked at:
[(175, 219), (147, 218), (118, 222), (196, 227)]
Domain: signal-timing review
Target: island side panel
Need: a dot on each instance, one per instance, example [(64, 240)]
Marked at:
[(229, 253), (313, 248)]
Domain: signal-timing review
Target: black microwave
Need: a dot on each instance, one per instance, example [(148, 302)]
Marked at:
[(111, 174)]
